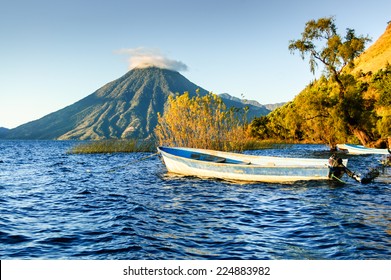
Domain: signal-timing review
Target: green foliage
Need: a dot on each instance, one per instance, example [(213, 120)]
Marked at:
[(381, 81), (322, 43), (317, 114), (201, 122), (333, 108)]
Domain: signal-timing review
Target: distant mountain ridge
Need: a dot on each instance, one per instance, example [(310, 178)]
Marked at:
[(269, 107), (126, 107), (3, 131), (244, 101)]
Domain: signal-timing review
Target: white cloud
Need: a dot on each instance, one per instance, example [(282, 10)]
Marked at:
[(146, 57)]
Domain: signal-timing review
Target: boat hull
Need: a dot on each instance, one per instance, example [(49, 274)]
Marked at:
[(361, 150), (239, 167)]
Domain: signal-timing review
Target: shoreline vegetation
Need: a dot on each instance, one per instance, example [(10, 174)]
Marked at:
[(149, 146), (113, 146), (195, 122), (346, 104)]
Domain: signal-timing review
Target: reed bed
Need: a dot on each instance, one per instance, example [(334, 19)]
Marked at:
[(135, 145), (114, 146)]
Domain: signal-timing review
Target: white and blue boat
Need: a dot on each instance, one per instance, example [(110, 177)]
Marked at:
[(361, 150), (240, 167)]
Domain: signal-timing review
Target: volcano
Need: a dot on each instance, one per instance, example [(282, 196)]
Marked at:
[(124, 108)]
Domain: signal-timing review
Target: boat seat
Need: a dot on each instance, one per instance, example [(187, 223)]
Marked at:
[(205, 157)]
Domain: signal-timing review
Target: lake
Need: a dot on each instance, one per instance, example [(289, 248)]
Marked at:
[(54, 205)]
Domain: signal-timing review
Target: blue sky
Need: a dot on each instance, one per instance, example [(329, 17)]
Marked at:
[(54, 53)]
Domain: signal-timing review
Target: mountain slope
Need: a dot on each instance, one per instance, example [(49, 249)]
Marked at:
[(3, 131), (377, 55), (255, 109), (126, 107)]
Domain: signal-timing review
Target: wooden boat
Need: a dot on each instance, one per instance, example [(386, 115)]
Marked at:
[(239, 167), (361, 150)]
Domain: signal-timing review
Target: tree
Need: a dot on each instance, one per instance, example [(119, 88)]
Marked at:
[(382, 83), (323, 44), (201, 122)]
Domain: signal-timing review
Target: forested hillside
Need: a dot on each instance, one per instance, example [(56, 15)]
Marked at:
[(351, 102)]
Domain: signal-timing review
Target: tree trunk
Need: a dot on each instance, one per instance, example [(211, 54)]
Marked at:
[(379, 144), (362, 136), (333, 147)]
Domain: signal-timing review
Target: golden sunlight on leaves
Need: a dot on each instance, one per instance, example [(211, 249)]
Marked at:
[(201, 122)]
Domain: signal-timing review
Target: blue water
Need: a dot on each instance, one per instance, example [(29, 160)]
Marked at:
[(59, 206)]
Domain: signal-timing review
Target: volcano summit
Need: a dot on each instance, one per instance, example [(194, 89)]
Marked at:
[(124, 108)]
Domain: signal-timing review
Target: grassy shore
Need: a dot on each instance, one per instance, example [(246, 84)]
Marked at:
[(134, 145), (114, 146)]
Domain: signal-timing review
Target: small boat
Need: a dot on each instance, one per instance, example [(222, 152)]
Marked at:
[(361, 150), (240, 167)]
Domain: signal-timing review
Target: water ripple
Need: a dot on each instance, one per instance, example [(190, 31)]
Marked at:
[(59, 206)]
